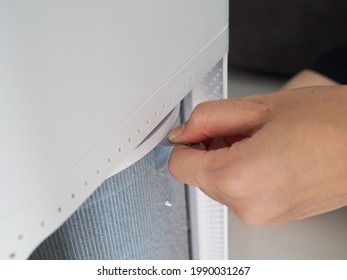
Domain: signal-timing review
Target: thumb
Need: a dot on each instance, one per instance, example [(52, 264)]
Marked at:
[(230, 117), (198, 167)]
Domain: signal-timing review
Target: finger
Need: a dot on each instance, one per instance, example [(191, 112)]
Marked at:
[(208, 188), (197, 167), (220, 118), (182, 163)]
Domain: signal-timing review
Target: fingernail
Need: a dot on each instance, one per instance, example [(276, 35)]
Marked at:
[(175, 133)]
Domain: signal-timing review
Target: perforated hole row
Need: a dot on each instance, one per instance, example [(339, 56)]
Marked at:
[(172, 98), (119, 149)]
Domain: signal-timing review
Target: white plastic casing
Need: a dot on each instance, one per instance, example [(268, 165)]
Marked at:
[(82, 83)]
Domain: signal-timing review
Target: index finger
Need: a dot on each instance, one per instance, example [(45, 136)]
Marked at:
[(220, 118)]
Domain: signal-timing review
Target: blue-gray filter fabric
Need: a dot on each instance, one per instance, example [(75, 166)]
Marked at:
[(140, 213)]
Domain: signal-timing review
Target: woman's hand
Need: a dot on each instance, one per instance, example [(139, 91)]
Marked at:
[(270, 158)]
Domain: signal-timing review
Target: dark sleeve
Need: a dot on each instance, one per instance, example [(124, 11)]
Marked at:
[(332, 64)]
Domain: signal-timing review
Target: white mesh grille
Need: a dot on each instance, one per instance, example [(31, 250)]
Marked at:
[(208, 218)]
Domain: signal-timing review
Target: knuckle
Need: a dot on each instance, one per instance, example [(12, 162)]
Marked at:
[(223, 182), (256, 110), (257, 113), (251, 217), (256, 213), (200, 108), (200, 115)]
